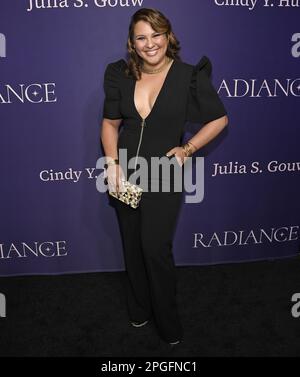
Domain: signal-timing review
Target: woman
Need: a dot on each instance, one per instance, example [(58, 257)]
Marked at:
[(154, 94)]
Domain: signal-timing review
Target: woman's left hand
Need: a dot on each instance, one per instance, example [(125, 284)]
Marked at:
[(179, 154)]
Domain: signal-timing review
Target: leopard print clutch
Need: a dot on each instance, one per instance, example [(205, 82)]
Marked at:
[(131, 195)]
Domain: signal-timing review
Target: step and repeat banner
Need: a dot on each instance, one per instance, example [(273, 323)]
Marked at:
[(52, 60)]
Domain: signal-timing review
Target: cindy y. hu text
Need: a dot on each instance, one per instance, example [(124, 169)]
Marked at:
[(186, 178)]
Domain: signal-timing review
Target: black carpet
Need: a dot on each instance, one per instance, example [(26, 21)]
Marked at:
[(227, 310)]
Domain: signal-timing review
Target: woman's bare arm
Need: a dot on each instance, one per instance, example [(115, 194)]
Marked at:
[(109, 137), (208, 132)]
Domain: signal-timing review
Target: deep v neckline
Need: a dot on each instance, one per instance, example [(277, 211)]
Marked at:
[(157, 97)]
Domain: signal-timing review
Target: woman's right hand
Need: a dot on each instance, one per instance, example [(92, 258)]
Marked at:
[(115, 177)]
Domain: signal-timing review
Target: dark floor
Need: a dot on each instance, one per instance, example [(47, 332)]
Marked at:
[(227, 310)]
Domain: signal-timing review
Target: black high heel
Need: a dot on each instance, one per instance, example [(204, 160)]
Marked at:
[(174, 343), (138, 324)]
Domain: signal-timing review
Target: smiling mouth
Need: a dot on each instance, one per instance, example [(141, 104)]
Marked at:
[(151, 53)]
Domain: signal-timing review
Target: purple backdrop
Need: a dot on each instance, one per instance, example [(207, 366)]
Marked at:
[(51, 95)]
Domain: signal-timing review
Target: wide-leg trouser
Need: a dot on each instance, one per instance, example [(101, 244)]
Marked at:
[(151, 283)]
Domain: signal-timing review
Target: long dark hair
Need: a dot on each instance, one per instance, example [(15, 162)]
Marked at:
[(160, 24)]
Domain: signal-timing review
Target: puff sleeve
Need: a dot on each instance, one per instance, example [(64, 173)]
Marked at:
[(111, 106), (204, 103)]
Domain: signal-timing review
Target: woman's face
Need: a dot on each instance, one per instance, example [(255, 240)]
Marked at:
[(150, 45)]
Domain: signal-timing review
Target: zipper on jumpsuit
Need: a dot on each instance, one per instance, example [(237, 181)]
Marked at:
[(143, 123)]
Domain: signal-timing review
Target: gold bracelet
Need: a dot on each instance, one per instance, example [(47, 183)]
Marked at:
[(192, 145), (187, 150), (112, 162)]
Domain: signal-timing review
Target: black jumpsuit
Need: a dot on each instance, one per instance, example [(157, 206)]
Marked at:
[(187, 95)]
